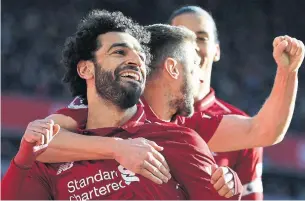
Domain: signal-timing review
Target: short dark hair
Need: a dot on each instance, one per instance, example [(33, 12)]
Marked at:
[(195, 10), (167, 41), (84, 42)]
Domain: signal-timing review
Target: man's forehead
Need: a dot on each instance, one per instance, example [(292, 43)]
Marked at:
[(111, 38), (196, 23)]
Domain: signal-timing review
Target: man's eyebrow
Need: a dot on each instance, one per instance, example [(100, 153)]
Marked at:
[(202, 32), (124, 45), (118, 45)]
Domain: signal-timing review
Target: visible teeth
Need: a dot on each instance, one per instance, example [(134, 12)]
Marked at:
[(135, 76)]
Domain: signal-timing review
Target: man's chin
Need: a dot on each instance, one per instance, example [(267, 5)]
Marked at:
[(187, 111), (128, 104), (130, 99), (130, 83)]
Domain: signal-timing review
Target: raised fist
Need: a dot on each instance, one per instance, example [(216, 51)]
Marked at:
[(288, 53)]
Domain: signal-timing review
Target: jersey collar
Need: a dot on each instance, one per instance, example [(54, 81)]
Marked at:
[(206, 102)]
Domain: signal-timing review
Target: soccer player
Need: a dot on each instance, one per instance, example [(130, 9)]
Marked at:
[(269, 132), (105, 62), (165, 41), (237, 131), (247, 163)]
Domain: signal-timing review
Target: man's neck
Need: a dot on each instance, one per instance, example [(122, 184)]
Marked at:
[(157, 98), (102, 113)]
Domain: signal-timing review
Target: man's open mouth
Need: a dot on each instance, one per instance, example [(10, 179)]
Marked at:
[(131, 75)]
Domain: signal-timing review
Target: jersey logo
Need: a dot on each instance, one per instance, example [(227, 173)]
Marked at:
[(64, 167), (127, 175)]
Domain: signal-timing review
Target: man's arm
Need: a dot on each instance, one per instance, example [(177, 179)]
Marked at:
[(271, 123), (131, 153), (23, 179), (71, 146)]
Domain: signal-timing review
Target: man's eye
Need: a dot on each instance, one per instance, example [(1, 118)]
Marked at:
[(202, 39), (121, 52)]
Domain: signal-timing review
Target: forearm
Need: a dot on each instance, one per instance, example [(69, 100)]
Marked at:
[(52, 155), (78, 147), (268, 127), (272, 121)]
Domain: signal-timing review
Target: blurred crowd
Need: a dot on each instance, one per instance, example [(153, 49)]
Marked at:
[(33, 33)]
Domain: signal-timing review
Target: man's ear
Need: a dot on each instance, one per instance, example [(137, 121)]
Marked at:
[(217, 53), (85, 69), (171, 67)]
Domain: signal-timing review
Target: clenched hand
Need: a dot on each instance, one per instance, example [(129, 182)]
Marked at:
[(35, 140), (142, 156)]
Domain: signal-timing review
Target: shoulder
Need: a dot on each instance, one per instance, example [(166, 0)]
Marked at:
[(161, 127), (232, 108), (172, 133), (77, 103), (201, 121), (75, 110)]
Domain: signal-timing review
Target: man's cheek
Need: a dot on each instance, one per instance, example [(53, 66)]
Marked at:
[(202, 50), (195, 85)]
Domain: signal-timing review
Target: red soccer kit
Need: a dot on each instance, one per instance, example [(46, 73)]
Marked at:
[(247, 163), (186, 153), (208, 114)]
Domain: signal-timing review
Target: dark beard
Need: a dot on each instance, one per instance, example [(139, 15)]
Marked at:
[(110, 87), (184, 105)]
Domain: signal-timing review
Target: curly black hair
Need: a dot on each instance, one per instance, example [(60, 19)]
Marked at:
[(83, 43)]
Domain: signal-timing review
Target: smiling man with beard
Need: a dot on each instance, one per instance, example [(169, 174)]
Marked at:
[(120, 87), (105, 61)]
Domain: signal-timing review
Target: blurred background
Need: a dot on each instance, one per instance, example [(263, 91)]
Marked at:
[(33, 33)]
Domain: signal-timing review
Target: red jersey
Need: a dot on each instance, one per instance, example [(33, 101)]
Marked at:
[(247, 163), (187, 154), (208, 114), (207, 126)]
